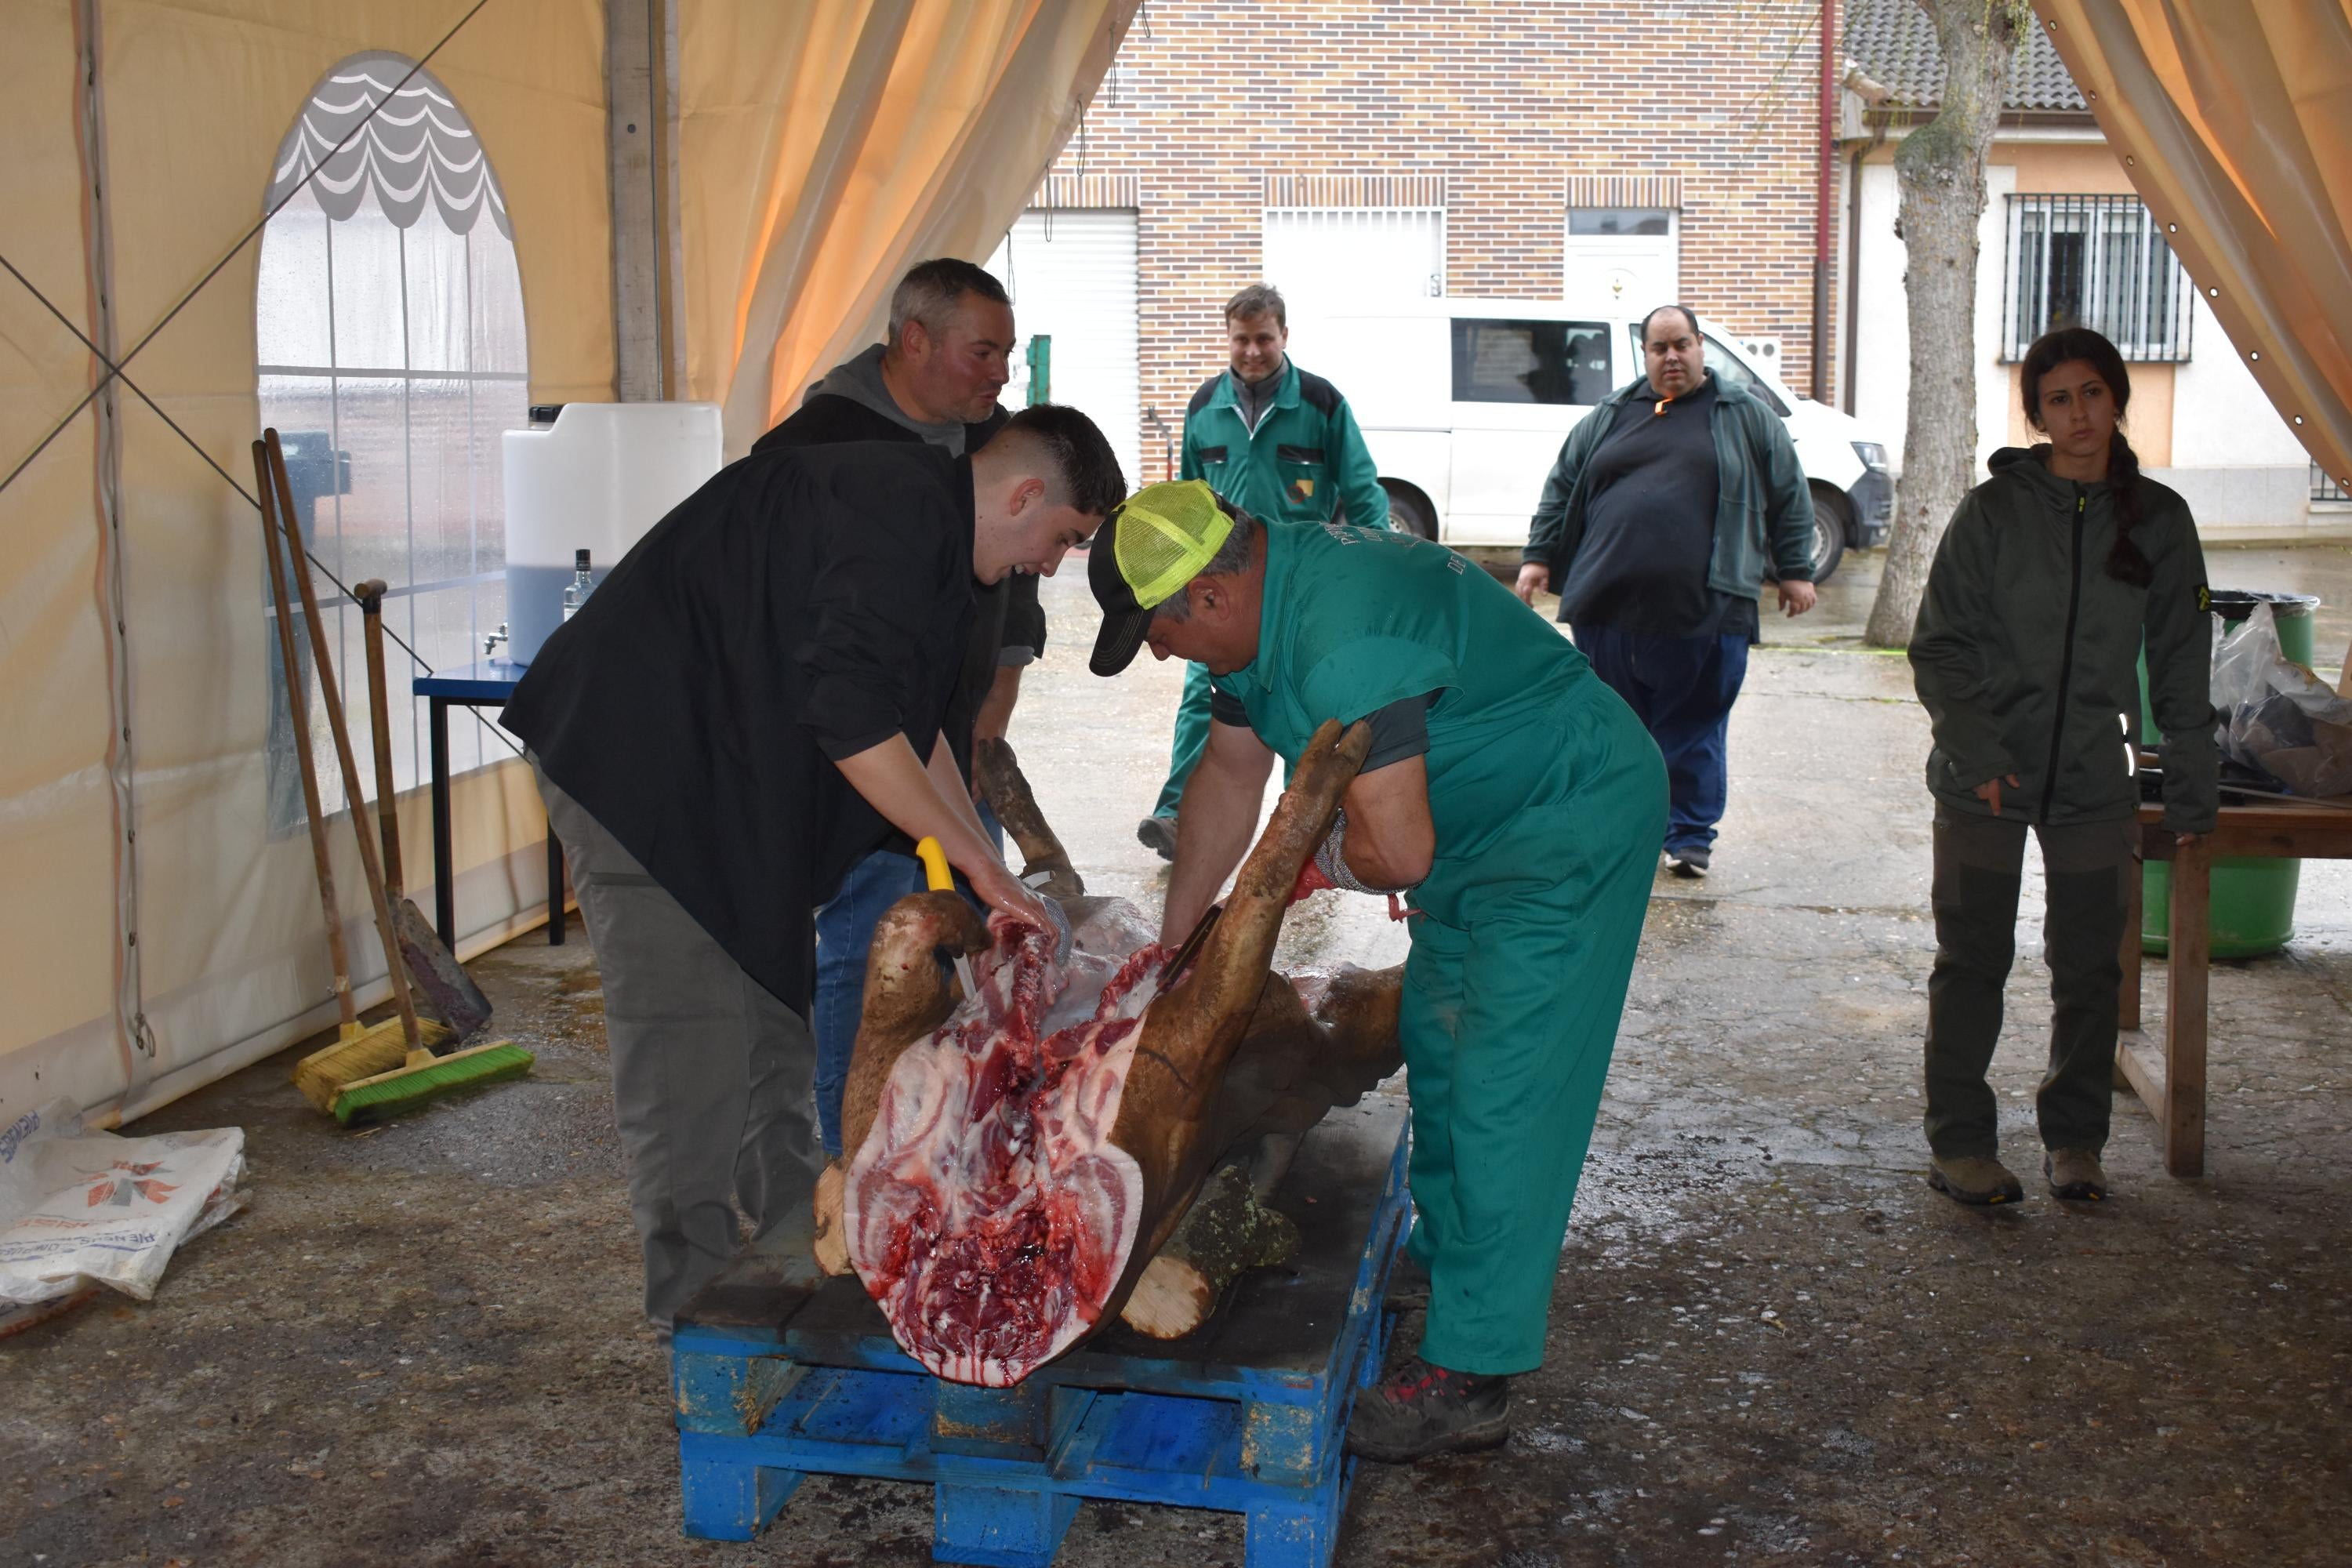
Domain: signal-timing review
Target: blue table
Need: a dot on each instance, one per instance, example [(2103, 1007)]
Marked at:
[(484, 684)]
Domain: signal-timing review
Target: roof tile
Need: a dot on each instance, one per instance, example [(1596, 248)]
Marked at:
[(1895, 43)]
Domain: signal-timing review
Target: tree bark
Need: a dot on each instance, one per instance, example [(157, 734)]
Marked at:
[(1940, 170)]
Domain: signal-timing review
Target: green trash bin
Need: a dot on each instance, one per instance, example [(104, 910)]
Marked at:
[(2252, 898)]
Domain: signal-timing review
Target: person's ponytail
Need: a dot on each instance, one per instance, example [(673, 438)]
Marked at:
[(2126, 563)]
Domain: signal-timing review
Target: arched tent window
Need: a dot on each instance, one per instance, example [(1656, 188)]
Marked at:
[(391, 354)]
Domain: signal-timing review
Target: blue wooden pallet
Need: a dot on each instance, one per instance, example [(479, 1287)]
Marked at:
[(780, 1373)]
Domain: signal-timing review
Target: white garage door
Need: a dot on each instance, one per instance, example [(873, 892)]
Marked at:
[(1337, 260), (1072, 276)]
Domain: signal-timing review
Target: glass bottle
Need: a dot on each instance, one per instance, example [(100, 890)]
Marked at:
[(582, 584)]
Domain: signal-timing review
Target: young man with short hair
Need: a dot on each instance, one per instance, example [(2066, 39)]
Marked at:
[(750, 703), (935, 380)]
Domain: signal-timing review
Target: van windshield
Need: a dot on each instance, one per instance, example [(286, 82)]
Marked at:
[(1530, 362)]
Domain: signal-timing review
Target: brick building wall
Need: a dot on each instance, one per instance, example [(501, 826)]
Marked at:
[(1210, 102)]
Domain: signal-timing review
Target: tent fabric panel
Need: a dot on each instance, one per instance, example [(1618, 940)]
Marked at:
[(938, 119), (2234, 121), (58, 939), (196, 99)]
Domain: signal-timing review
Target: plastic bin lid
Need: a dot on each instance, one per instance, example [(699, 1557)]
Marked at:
[(2237, 603)]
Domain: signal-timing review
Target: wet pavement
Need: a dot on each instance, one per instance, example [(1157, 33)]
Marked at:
[(1771, 1342)]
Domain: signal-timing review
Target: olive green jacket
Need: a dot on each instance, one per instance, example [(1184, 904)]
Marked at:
[(2026, 651), (1763, 511)]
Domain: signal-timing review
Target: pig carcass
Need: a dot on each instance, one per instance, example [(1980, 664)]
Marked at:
[(1016, 1158)]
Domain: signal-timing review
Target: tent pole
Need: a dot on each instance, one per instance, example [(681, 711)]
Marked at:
[(641, 99)]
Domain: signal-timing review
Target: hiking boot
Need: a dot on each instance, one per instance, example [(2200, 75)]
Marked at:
[(2076, 1175), (1408, 1285), (1422, 1410), (1158, 834), (1972, 1180), (1689, 861)]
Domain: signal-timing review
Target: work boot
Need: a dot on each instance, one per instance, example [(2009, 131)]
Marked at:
[(1690, 861), (1158, 834), (1422, 1410), (1972, 1180), (1408, 1285), (2075, 1173)]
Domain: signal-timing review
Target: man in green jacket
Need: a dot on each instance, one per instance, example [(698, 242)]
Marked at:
[(1654, 527), (1282, 445), (1509, 794)]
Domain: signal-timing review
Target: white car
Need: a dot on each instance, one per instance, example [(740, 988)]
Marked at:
[(1464, 404)]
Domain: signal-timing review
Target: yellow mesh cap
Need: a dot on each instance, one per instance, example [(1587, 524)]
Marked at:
[(1165, 535)]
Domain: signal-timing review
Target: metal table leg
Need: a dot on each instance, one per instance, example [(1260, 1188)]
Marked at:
[(445, 880), (554, 888)]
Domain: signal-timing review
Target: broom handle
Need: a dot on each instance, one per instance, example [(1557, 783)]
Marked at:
[(370, 595), (296, 707), (334, 700)]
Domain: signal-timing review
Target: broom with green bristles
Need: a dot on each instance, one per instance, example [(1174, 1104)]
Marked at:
[(416, 1075), (360, 1050)]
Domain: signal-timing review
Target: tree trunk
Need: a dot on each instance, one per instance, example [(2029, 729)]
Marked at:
[(1940, 169)]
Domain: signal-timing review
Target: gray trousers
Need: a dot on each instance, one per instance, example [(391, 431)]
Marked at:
[(1979, 862), (712, 1076)]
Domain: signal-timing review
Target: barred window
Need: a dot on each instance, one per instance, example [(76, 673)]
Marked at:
[(2098, 262)]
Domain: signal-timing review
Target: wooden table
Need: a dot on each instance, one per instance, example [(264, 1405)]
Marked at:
[(2170, 1079)]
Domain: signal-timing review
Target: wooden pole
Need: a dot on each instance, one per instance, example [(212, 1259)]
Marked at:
[(324, 857), (333, 698)]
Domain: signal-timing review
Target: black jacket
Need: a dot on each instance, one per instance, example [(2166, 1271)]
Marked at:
[(1009, 611), (800, 607)]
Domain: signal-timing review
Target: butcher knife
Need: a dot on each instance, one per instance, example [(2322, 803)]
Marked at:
[(1175, 970), (942, 879)]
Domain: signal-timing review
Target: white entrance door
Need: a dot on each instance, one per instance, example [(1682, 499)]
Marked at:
[(1621, 260), (1071, 274)]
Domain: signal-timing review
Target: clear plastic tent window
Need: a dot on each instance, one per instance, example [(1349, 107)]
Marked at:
[(391, 353)]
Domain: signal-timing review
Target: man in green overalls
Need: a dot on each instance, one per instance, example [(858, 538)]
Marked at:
[(1516, 797), (1281, 443)]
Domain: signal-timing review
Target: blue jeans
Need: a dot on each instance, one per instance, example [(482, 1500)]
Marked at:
[(1682, 688), (844, 931)]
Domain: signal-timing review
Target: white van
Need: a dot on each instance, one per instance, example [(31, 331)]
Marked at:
[(1464, 404)]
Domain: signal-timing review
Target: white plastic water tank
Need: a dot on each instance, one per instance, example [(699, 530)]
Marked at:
[(596, 478)]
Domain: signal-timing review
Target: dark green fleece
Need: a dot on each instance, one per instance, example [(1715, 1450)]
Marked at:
[(2026, 650)]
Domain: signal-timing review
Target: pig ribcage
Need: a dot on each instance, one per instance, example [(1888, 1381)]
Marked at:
[(987, 1212)]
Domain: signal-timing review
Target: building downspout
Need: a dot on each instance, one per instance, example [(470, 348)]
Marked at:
[(1872, 95), (1824, 156)]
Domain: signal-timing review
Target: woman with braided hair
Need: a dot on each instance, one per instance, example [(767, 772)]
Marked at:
[(2050, 577)]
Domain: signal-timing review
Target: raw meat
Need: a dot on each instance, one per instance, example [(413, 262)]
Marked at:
[(1019, 1156), (986, 1211)]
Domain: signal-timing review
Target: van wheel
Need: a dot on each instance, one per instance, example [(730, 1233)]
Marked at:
[(1408, 513), (1832, 517)]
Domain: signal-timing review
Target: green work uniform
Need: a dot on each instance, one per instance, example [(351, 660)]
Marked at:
[(1549, 798), (1304, 463)]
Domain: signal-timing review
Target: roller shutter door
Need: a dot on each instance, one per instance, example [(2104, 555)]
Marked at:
[(1072, 275), (1341, 260)]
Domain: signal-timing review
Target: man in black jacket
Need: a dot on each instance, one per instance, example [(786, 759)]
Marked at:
[(935, 381), (751, 703)]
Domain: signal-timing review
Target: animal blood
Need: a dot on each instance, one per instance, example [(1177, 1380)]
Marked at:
[(988, 1212)]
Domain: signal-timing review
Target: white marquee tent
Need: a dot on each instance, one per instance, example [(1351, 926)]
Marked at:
[(542, 201)]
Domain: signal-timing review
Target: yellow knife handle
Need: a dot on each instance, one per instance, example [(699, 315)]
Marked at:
[(935, 865)]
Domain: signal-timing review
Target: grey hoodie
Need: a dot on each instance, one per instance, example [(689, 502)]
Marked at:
[(860, 381), (2026, 650)]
